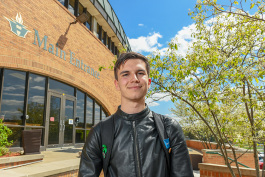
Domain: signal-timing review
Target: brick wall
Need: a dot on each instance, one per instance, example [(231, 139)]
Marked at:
[(246, 159), (212, 170), (199, 145), (51, 19)]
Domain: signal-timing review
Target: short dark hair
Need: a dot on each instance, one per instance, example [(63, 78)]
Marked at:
[(128, 56)]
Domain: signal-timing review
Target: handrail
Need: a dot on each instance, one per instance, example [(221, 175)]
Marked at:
[(208, 152)]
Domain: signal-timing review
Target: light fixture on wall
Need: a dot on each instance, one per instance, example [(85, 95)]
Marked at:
[(83, 17)]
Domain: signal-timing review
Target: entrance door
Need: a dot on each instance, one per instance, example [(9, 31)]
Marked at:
[(60, 120)]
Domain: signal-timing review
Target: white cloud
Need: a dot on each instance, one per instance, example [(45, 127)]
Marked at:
[(38, 88), (14, 94), (184, 40), (11, 88), (140, 24), (161, 97), (157, 96), (151, 103), (12, 102), (39, 79), (146, 44), (37, 99), (173, 116), (150, 42)]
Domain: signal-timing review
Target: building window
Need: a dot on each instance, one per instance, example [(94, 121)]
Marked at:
[(35, 106), (80, 136), (12, 105), (61, 87), (80, 109), (104, 37), (97, 113), (99, 31), (89, 112), (103, 115), (73, 7), (116, 51), (23, 107), (80, 9), (112, 47), (62, 2), (88, 22), (109, 43), (82, 133), (16, 136)]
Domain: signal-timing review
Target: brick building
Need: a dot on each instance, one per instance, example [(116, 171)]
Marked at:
[(51, 52)]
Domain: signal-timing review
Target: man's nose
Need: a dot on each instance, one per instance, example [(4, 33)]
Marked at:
[(134, 78)]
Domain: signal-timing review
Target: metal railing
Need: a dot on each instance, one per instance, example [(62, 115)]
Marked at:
[(104, 7), (228, 158)]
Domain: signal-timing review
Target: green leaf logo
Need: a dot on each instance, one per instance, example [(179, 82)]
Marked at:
[(104, 150)]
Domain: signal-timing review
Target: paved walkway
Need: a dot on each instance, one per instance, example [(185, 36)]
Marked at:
[(196, 173), (55, 159)]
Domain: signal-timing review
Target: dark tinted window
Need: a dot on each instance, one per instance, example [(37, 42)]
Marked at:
[(13, 96), (88, 22), (71, 7), (97, 113), (35, 109), (61, 87), (80, 136), (89, 112), (62, 2), (80, 9), (16, 136), (103, 115), (80, 109)]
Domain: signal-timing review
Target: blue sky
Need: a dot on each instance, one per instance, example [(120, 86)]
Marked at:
[(150, 25)]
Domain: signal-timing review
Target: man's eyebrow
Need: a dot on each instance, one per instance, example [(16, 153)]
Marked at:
[(140, 70), (123, 72)]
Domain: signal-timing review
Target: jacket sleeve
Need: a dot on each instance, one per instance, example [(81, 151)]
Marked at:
[(91, 158), (179, 156)]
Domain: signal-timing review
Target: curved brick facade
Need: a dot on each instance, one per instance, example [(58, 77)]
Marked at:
[(52, 21)]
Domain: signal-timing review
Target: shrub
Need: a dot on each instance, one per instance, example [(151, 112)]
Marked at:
[(4, 143)]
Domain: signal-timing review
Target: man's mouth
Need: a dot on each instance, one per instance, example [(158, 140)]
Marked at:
[(135, 87)]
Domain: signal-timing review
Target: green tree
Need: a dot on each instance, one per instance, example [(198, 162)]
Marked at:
[(192, 125), (220, 79)]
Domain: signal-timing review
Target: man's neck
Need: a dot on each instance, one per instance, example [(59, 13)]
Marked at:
[(132, 107)]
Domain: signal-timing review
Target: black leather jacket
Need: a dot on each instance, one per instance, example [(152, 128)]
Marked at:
[(137, 149)]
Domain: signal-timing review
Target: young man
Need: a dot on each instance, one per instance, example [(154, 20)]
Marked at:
[(137, 150)]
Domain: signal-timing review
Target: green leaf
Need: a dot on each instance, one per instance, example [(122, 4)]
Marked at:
[(252, 5), (257, 80)]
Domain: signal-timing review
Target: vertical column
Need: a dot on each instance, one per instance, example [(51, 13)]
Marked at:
[(94, 26)]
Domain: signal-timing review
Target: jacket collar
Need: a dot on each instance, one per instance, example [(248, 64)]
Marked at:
[(132, 117)]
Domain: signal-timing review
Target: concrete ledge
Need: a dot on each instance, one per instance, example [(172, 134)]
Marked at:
[(228, 151), (20, 158), (43, 169), (224, 169)]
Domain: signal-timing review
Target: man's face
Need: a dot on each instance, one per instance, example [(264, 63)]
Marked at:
[(133, 81)]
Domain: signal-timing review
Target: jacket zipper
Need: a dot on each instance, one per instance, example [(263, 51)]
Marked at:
[(138, 167)]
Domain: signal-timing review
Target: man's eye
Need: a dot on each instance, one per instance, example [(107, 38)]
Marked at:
[(124, 75), (141, 73)]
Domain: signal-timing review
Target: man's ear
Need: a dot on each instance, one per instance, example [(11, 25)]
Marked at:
[(116, 83), (149, 82)]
